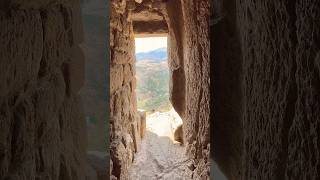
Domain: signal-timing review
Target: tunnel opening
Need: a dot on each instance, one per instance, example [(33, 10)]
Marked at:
[(152, 74), (136, 152), (162, 145)]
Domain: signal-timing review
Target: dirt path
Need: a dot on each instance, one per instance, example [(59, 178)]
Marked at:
[(160, 158)]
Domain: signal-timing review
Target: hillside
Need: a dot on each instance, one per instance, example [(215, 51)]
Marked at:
[(153, 83), (157, 55)]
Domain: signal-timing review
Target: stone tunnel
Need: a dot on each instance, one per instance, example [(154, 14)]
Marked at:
[(248, 68), (185, 23)]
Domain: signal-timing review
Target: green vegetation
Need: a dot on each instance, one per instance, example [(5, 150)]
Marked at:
[(153, 85)]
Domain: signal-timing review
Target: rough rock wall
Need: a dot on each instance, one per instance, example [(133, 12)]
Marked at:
[(197, 72), (174, 18), (226, 92), (42, 129), (189, 64), (123, 108), (280, 47)]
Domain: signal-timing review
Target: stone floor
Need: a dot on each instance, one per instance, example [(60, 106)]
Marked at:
[(160, 158)]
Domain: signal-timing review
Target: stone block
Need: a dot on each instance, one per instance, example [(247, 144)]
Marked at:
[(143, 123), (138, 119)]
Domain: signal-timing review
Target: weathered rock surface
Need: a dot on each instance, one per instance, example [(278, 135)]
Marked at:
[(124, 134), (281, 85), (279, 100), (42, 128), (178, 134), (197, 82), (143, 121)]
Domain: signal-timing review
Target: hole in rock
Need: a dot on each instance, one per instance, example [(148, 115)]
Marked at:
[(162, 153), (152, 90)]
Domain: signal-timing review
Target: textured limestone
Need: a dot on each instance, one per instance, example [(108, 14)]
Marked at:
[(124, 135), (42, 130), (174, 19), (197, 69), (143, 121), (150, 28), (178, 134), (281, 79), (279, 85), (148, 19)]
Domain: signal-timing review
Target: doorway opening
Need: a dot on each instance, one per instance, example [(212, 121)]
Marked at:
[(152, 74), (152, 90), (162, 149)]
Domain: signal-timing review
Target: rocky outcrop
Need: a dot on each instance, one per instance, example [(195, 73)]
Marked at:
[(42, 127)]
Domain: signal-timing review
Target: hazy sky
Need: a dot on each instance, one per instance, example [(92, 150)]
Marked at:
[(150, 43)]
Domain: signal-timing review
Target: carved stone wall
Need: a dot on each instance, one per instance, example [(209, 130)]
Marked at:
[(278, 62), (41, 72)]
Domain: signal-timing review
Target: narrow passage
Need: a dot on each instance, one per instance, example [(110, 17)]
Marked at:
[(160, 157)]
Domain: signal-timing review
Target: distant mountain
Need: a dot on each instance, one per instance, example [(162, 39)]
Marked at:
[(152, 85), (157, 55)]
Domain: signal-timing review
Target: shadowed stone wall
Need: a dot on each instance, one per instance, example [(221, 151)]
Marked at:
[(280, 45), (42, 127), (279, 85)]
